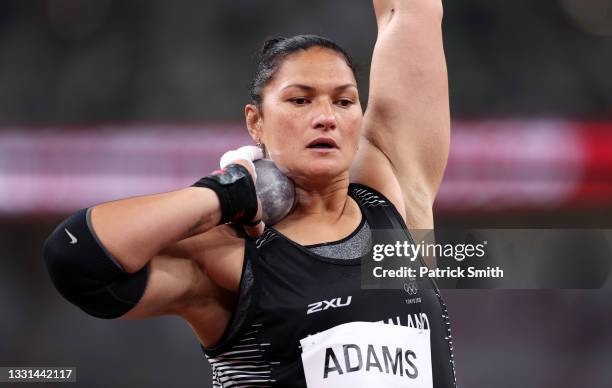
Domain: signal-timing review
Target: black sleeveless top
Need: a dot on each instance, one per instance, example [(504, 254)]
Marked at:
[(288, 293)]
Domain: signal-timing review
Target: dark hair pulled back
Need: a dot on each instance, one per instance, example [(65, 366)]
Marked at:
[(275, 50)]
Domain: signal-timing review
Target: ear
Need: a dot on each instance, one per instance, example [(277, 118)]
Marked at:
[(254, 122)]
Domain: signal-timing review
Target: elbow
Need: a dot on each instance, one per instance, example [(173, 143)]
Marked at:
[(431, 11), (84, 275), (389, 10), (68, 277)]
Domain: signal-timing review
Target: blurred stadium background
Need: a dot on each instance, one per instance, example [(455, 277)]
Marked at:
[(107, 99)]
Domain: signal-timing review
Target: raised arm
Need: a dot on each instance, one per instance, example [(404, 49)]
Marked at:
[(406, 130)]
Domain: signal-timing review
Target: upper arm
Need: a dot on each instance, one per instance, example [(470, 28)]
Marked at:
[(197, 271), (372, 168), (171, 280), (407, 122)]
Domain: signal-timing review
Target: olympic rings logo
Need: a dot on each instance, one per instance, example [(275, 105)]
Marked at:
[(411, 288)]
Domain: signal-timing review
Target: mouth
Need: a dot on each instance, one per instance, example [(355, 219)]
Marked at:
[(323, 143)]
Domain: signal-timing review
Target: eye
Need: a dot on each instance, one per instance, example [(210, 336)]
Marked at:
[(344, 102), (299, 100)]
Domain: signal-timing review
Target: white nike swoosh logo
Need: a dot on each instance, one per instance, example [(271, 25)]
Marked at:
[(73, 240)]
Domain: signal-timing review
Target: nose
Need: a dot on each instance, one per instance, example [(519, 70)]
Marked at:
[(325, 118)]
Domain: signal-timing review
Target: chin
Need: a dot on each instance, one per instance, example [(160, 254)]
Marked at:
[(324, 169)]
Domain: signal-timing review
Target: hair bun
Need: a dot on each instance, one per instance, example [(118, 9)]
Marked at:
[(269, 43)]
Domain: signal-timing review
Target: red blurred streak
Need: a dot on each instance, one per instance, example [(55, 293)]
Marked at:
[(596, 186)]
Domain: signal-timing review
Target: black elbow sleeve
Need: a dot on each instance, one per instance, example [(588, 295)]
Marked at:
[(86, 274)]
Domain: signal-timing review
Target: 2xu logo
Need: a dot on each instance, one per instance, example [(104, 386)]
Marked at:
[(328, 304)]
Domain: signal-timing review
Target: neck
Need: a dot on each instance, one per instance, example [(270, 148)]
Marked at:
[(328, 200)]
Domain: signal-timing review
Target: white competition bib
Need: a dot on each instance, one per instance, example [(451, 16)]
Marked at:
[(368, 354)]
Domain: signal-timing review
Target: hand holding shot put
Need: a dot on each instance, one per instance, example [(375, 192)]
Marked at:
[(275, 192), (283, 305), (245, 156)]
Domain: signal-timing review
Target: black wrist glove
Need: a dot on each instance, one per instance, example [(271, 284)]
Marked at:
[(236, 191)]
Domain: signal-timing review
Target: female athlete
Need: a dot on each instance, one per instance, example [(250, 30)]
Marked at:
[(282, 306)]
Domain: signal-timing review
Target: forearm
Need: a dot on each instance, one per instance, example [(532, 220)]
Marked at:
[(134, 230), (408, 77)]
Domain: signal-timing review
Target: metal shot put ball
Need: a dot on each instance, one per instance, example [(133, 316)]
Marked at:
[(275, 191)]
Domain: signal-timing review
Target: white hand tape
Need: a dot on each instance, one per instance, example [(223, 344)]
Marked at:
[(248, 153)]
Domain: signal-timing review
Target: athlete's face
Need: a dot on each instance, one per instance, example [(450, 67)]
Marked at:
[(312, 99)]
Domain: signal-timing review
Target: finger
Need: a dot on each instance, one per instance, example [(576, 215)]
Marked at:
[(249, 166), (253, 152), (247, 152)]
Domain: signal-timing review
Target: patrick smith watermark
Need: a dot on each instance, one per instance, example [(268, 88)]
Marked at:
[(409, 251), (489, 258)]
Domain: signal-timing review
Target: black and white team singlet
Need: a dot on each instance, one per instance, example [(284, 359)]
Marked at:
[(302, 320)]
